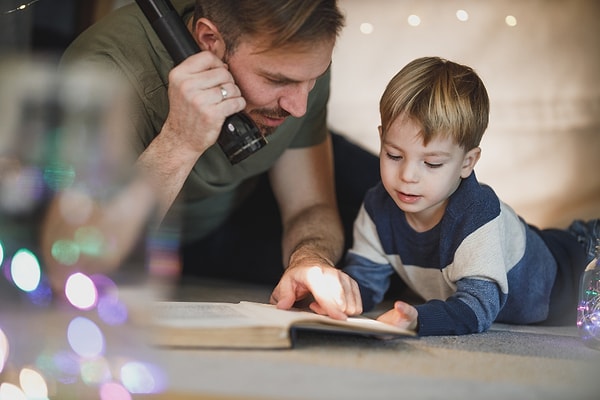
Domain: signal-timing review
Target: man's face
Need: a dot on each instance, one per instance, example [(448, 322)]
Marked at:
[(276, 83)]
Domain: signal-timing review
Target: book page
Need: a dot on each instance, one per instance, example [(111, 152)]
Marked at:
[(211, 315), (299, 318), (246, 325), (204, 314)]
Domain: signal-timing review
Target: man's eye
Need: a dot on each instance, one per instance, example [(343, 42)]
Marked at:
[(433, 165), (393, 157), (276, 82)]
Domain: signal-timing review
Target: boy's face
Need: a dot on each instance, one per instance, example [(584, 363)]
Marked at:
[(276, 83), (421, 178)]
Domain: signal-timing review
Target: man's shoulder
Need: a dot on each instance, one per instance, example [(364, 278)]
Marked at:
[(122, 40), (109, 32)]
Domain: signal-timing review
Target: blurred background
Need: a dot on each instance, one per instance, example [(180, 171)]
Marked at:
[(538, 58), (541, 153)]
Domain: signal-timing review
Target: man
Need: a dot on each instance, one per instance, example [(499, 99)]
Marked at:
[(271, 59)]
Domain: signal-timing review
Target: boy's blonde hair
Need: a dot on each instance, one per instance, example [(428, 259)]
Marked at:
[(446, 98)]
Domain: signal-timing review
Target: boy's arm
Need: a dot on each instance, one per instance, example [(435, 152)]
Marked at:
[(472, 309), (366, 262)]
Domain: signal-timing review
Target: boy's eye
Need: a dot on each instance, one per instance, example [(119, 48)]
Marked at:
[(393, 157), (433, 165)]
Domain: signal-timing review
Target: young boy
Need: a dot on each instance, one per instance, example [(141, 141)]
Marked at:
[(451, 240)]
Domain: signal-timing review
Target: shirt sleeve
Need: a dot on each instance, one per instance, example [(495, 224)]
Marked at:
[(471, 309), (373, 279), (366, 262)]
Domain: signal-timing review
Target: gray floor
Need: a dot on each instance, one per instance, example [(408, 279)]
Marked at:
[(505, 362)]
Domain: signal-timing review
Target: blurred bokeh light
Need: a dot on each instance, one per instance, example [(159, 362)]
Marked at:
[(33, 384), (81, 291), (72, 212), (85, 337), (25, 270)]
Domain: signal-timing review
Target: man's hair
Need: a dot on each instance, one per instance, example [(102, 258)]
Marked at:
[(283, 22), (444, 97)]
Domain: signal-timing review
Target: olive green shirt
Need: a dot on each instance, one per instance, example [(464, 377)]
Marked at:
[(125, 42)]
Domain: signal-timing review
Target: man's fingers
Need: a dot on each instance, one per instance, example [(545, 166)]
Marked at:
[(282, 295), (202, 61), (335, 293), (329, 309), (352, 295), (288, 291), (326, 286)]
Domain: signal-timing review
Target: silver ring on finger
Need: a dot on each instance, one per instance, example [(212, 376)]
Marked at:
[(224, 93)]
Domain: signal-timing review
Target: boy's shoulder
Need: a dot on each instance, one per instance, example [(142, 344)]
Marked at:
[(381, 208), (376, 194), (472, 206), (473, 199), (377, 201)]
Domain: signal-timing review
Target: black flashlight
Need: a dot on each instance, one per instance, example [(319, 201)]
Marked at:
[(239, 137)]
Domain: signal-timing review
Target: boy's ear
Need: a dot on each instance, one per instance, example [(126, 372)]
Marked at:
[(469, 161), (380, 131), (208, 37)]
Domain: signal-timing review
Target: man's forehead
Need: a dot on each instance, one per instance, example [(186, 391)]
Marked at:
[(293, 63)]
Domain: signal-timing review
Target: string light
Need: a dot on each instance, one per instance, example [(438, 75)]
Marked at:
[(588, 311), (20, 8)]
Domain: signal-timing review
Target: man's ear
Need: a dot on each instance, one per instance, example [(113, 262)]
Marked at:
[(469, 162), (208, 37)]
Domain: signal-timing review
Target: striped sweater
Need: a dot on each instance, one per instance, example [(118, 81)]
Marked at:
[(482, 263)]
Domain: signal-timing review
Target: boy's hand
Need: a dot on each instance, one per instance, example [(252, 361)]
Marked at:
[(403, 315), (335, 293)]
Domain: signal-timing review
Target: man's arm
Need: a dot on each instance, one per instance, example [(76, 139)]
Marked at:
[(303, 183)]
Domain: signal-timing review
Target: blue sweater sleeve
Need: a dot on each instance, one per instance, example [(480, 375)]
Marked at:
[(472, 309), (373, 279)]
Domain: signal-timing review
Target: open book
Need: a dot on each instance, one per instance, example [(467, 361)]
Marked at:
[(248, 325)]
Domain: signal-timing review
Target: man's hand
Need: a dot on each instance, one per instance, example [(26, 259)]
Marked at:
[(198, 106), (403, 315), (335, 293)]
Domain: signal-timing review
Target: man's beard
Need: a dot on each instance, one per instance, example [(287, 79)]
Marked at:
[(269, 113)]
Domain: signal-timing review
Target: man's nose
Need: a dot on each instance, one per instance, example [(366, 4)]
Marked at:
[(294, 99)]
